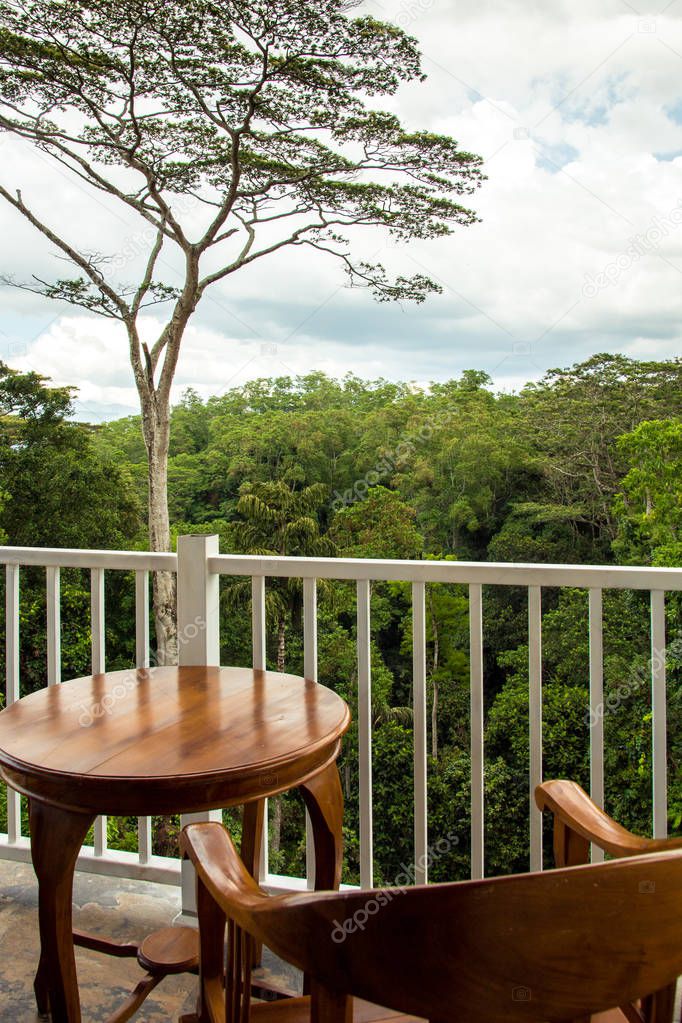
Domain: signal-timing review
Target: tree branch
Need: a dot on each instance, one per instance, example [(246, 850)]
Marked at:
[(48, 142), (148, 275), (76, 257)]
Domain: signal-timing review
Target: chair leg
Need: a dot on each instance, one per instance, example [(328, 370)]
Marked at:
[(330, 1006), (252, 841), (211, 948)]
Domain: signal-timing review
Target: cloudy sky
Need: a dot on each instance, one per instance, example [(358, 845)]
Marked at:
[(577, 109)]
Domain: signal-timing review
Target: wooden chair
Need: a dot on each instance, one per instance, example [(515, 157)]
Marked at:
[(560, 945), (578, 823)]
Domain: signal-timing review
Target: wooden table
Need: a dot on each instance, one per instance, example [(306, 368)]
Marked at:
[(163, 741)]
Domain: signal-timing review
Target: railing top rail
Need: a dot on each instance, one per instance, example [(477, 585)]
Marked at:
[(64, 557), (488, 573)]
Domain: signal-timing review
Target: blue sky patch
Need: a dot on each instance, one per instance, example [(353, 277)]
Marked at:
[(674, 112), (553, 158), (669, 156)]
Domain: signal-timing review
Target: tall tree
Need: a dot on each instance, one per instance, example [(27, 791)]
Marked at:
[(572, 419), (231, 129)]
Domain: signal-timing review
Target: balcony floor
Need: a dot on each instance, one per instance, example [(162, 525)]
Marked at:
[(112, 907)]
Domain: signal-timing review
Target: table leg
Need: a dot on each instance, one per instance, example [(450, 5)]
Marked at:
[(323, 797), (56, 838), (252, 836), (252, 842)]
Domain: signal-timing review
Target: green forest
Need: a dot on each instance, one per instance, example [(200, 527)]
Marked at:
[(583, 466)]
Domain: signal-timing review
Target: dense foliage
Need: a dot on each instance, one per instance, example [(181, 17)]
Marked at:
[(583, 467)]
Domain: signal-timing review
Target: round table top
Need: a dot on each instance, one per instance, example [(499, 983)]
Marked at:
[(169, 739)]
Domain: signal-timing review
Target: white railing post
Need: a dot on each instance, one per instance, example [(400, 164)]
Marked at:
[(198, 643), (97, 626), (259, 663), (12, 687), (659, 726), (596, 647), (258, 629), (365, 733), (54, 647), (535, 719), (477, 731), (144, 824), (141, 618), (421, 837), (198, 602), (98, 653), (310, 672)]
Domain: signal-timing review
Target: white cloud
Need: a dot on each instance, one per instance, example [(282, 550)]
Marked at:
[(574, 109)]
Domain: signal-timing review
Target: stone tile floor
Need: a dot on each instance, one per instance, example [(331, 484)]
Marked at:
[(112, 907)]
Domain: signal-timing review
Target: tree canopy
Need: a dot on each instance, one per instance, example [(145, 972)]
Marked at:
[(225, 131), (58, 489)]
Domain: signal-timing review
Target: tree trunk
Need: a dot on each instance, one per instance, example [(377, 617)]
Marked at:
[(281, 643), (156, 428), (276, 822), (434, 721)]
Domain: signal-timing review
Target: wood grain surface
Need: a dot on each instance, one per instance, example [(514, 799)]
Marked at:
[(188, 734)]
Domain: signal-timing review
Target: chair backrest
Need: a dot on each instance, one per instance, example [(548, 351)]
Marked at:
[(559, 945)]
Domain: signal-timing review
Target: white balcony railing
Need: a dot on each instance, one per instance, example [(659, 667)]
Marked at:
[(199, 566)]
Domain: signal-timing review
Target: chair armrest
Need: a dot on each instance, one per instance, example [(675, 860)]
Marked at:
[(221, 870), (573, 808), (226, 890)]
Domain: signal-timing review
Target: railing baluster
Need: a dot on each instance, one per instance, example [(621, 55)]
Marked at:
[(420, 778), (658, 711), (259, 661), (144, 839), (535, 719), (477, 749), (141, 618), (596, 628), (310, 672), (98, 666), (12, 689), (258, 633), (144, 824), (12, 632), (310, 629), (54, 639), (97, 620), (365, 734)]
